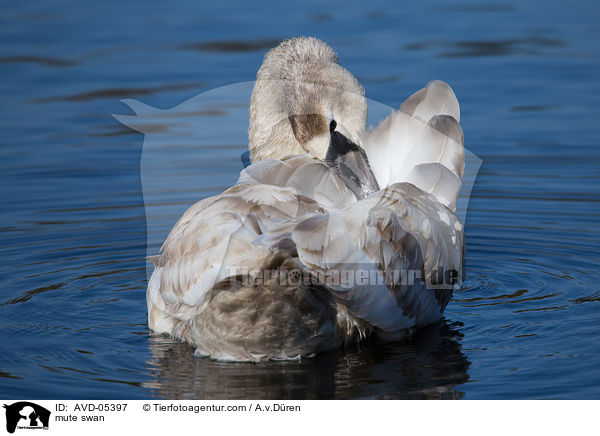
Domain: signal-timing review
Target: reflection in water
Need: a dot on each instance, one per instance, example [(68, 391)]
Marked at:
[(42, 60), (233, 46), (502, 47), (321, 17), (427, 366), (495, 7), (118, 93), (534, 107)]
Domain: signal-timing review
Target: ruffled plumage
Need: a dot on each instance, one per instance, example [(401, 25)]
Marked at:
[(294, 217)]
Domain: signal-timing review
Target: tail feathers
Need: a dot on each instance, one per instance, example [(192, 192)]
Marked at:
[(436, 163), (437, 98), (438, 180), (423, 139)]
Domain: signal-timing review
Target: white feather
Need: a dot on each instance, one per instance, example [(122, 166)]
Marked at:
[(373, 232), (424, 130), (297, 208)]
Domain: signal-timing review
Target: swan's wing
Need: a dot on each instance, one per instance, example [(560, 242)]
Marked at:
[(367, 252), (212, 241), (218, 237), (424, 134), (304, 174)]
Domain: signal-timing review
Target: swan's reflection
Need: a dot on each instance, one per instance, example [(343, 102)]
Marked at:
[(429, 365)]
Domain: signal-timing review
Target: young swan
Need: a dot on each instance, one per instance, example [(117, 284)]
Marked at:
[(256, 273), (300, 90)]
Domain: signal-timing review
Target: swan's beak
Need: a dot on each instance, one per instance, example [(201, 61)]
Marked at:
[(351, 164)]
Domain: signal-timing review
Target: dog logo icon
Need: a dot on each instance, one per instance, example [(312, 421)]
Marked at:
[(26, 415)]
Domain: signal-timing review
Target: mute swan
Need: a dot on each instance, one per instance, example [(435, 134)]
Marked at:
[(333, 233)]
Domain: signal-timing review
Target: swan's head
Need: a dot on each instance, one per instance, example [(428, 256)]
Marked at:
[(305, 102)]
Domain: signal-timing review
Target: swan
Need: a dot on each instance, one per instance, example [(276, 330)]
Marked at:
[(332, 234)]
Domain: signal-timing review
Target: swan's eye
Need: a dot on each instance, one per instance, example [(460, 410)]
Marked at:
[(332, 125)]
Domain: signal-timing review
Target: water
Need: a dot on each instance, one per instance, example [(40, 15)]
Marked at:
[(73, 229)]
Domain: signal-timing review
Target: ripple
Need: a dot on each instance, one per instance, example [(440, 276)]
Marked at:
[(119, 93), (429, 365), (30, 294), (232, 46), (595, 297), (483, 7), (42, 60), (509, 299), (534, 107), (501, 47), (321, 17)]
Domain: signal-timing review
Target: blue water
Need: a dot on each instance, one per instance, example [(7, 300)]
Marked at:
[(73, 226)]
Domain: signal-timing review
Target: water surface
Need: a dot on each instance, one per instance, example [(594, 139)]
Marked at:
[(73, 228)]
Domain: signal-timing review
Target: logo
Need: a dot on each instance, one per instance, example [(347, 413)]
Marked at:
[(191, 145), (26, 415)]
